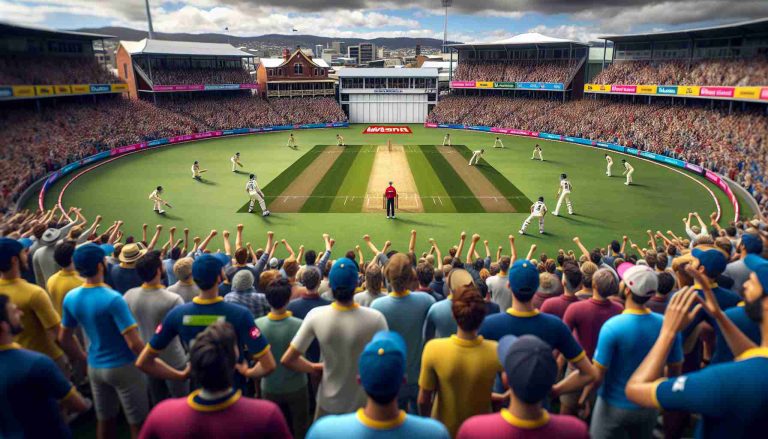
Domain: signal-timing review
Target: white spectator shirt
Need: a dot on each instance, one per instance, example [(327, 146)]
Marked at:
[(565, 186), (538, 208)]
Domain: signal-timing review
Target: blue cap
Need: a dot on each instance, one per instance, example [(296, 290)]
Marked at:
[(26, 242), (86, 259), (760, 267), (752, 243), (108, 249), (205, 269), (713, 260), (343, 274), (223, 258), (8, 249), (382, 364), (530, 366), (524, 277)]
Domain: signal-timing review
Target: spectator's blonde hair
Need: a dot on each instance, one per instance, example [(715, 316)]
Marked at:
[(182, 269)]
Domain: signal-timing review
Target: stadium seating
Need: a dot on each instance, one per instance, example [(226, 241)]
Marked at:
[(201, 76), (731, 144), (509, 71), (712, 72), (21, 70)]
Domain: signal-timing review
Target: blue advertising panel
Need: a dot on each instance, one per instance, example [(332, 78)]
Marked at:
[(631, 151), (666, 90), (100, 88), (556, 86), (550, 136)]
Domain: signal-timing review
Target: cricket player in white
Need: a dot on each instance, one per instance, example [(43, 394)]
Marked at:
[(476, 155), (256, 195), (537, 153), (628, 170), (158, 202), (564, 194), (291, 141), (608, 160), (339, 140), (497, 143), (447, 140), (538, 210), (235, 159), (196, 171)]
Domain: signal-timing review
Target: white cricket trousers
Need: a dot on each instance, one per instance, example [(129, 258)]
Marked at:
[(629, 176), (255, 196), (530, 218), (565, 196), (474, 159), (537, 154), (608, 169)]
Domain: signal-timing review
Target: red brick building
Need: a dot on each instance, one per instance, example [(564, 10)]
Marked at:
[(295, 74)]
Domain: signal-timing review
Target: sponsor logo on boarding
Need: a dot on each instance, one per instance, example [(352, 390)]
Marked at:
[(378, 129)]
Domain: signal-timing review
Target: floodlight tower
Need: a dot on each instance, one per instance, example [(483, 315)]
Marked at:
[(149, 21), (446, 4)]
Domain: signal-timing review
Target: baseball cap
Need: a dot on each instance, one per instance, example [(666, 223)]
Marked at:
[(530, 366), (713, 260), (760, 266), (273, 263), (87, 257), (108, 249), (623, 267), (382, 364), (641, 280), (524, 277), (223, 258), (25, 242), (343, 274), (205, 269), (752, 243), (457, 278), (8, 249)]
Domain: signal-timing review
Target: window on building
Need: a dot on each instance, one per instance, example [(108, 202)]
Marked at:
[(125, 70), (298, 69)]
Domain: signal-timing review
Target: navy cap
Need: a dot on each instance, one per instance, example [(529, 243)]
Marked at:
[(713, 260), (382, 364), (530, 366), (26, 242), (205, 269), (752, 243), (223, 258), (8, 249), (343, 274), (87, 258), (760, 267), (524, 277)]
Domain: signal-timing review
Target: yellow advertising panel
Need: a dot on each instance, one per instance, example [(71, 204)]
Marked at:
[(484, 84), (120, 88), (23, 91), (63, 89), (605, 88), (646, 89), (688, 90), (44, 90), (747, 92), (80, 88)]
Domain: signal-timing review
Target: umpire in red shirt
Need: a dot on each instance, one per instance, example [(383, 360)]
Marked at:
[(391, 196)]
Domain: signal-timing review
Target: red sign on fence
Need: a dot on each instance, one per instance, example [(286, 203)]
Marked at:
[(378, 129)]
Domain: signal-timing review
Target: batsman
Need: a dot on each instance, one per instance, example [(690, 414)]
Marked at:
[(390, 198)]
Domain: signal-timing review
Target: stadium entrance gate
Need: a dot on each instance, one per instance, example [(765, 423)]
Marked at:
[(386, 95)]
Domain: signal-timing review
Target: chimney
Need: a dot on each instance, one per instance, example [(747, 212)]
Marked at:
[(286, 54)]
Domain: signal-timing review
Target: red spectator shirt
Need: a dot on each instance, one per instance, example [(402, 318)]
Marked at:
[(233, 416), (586, 317), (506, 425), (557, 305), (390, 192)]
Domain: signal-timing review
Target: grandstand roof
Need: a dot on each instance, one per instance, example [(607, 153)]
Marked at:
[(7, 28), (387, 73), (744, 28), (529, 39), (162, 47), (438, 65)]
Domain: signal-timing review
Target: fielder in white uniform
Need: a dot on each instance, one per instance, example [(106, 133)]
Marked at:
[(196, 171), (256, 195), (497, 143), (564, 194), (447, 140), (476, 155), (291, 141), (628, 170), (339, 140), (608, 160), (537, 153), (538, 210), (235, 159), (157, 201)]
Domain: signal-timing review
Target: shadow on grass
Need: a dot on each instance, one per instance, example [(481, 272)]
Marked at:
[(407, 220), (208, 182)]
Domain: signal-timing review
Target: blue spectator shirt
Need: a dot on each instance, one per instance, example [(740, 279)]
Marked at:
[(358, 425)]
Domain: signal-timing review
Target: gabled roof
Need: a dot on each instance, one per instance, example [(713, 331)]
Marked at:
[(163, 47), (277, 62), (7, 28), (529, 39)]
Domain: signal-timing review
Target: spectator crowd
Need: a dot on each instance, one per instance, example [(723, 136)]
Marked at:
[(197, 336), (39, 70), (713, 72), (190, 76), (730, 143), (511, 71), (38, 142)]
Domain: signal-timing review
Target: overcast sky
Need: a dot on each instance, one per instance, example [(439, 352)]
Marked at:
[(470, 20)]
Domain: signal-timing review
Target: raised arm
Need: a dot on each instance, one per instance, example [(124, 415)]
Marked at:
[(623, 245), (438, 255), (86, 233), (512, 249), (584, 251), (498, 254), (370, 244), (651, 239), (155, 237), (360, 258), (239, 237), (701, 221), (530, 252), (412, 242), (207, 240), (288, 247), (461, 244), (471, 251), (227, 245), (144, 232), (327, 253), (186, 241), (300, 254)]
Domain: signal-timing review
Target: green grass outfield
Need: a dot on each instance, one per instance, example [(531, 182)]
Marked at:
[(606, 209)]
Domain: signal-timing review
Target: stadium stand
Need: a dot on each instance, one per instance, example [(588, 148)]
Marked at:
[(715, 72), (545, 71), (184, 75), (23, 70)]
